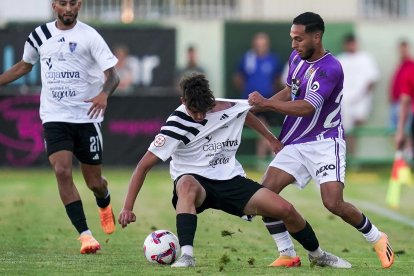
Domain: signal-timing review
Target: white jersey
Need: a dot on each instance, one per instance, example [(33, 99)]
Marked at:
[(72, 65), (206, 148)]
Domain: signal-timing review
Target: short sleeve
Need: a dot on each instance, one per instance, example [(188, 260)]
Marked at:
[(30, 54), (323, 83), (164, 146), (101, 53)]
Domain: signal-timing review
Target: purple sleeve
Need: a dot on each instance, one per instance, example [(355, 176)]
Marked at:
[(323, 82)]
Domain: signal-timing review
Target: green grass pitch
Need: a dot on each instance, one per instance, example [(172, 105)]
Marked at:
[(36, 237)]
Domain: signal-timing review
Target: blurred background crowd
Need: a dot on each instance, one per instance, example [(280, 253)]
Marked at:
[(241, 45)]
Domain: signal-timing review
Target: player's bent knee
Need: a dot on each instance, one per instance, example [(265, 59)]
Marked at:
[(63, 172), (186, 187), (334, 206)]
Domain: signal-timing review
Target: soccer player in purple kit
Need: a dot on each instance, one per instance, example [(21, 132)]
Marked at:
[(313, 137)]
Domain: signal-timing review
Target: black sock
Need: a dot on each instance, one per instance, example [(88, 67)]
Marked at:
[(274, 226), (77, 216), (307, 238), (364, 226), (103, 202), (186, 228)]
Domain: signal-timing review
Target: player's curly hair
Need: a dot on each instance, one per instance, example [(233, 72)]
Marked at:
[(196, 92)]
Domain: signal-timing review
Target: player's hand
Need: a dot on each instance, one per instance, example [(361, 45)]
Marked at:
[(98, 106), (126, 217), (256, 99)]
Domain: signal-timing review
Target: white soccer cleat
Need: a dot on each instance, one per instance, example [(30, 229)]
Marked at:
[(184, 261), (328, 259)]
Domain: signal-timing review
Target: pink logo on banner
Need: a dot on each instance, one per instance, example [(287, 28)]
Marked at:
[(28, 145), (133, 128)]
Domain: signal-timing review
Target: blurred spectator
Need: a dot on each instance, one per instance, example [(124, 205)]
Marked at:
[(404, 68), (191, 66), (403, 87), (127, 68), (361, 73), (260, 70)]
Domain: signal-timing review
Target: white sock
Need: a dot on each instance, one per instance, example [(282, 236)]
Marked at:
[(317, 253), (86, 232), (373, 235), (284, 244), (187, 249)]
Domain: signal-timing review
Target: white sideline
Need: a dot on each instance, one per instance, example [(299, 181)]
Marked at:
[(384, 212)]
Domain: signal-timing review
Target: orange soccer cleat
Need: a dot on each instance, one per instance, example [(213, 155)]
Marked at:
[(286, 261), (107, 219), (89, 244), (384, 251)]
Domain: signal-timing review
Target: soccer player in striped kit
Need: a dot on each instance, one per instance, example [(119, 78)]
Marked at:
[(202, 137), (78, 76), (313, 137)]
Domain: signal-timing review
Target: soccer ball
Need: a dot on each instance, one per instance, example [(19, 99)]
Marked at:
[(161, 247)]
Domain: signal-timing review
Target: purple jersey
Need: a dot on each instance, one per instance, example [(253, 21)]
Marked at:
[(319, 83)]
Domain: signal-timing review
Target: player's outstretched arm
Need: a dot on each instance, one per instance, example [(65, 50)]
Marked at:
[(253, 122), (137, 180), (16, 71), (300, 108)]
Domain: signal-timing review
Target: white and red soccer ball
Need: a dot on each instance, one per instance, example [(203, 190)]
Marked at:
[(161, 247)]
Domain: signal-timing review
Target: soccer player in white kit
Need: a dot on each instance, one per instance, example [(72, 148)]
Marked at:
[(202, 137), (78, 76), (313, 137)]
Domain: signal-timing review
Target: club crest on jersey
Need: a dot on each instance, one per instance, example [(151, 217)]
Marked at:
[(295, 88), (159, 140), (309, 73), (72, 46)]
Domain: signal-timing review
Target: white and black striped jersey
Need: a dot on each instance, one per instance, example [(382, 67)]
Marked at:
[(72, 64), (206, 148)]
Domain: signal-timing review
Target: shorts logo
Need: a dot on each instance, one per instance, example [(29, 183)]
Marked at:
[(159, 140), (96, 157), (325, 168)]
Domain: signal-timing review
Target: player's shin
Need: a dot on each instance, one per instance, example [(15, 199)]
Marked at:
[(280, 235), (307, 238), (186, 228)]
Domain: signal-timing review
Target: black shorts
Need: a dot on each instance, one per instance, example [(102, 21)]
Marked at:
[(230, 196), (84, 140)]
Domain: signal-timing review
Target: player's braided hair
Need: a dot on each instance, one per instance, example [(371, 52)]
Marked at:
[(196, 92)]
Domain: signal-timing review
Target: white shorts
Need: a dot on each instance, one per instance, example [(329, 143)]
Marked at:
[(323, 161)]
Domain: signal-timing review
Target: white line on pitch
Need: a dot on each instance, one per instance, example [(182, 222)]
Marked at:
[(384, 212)]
